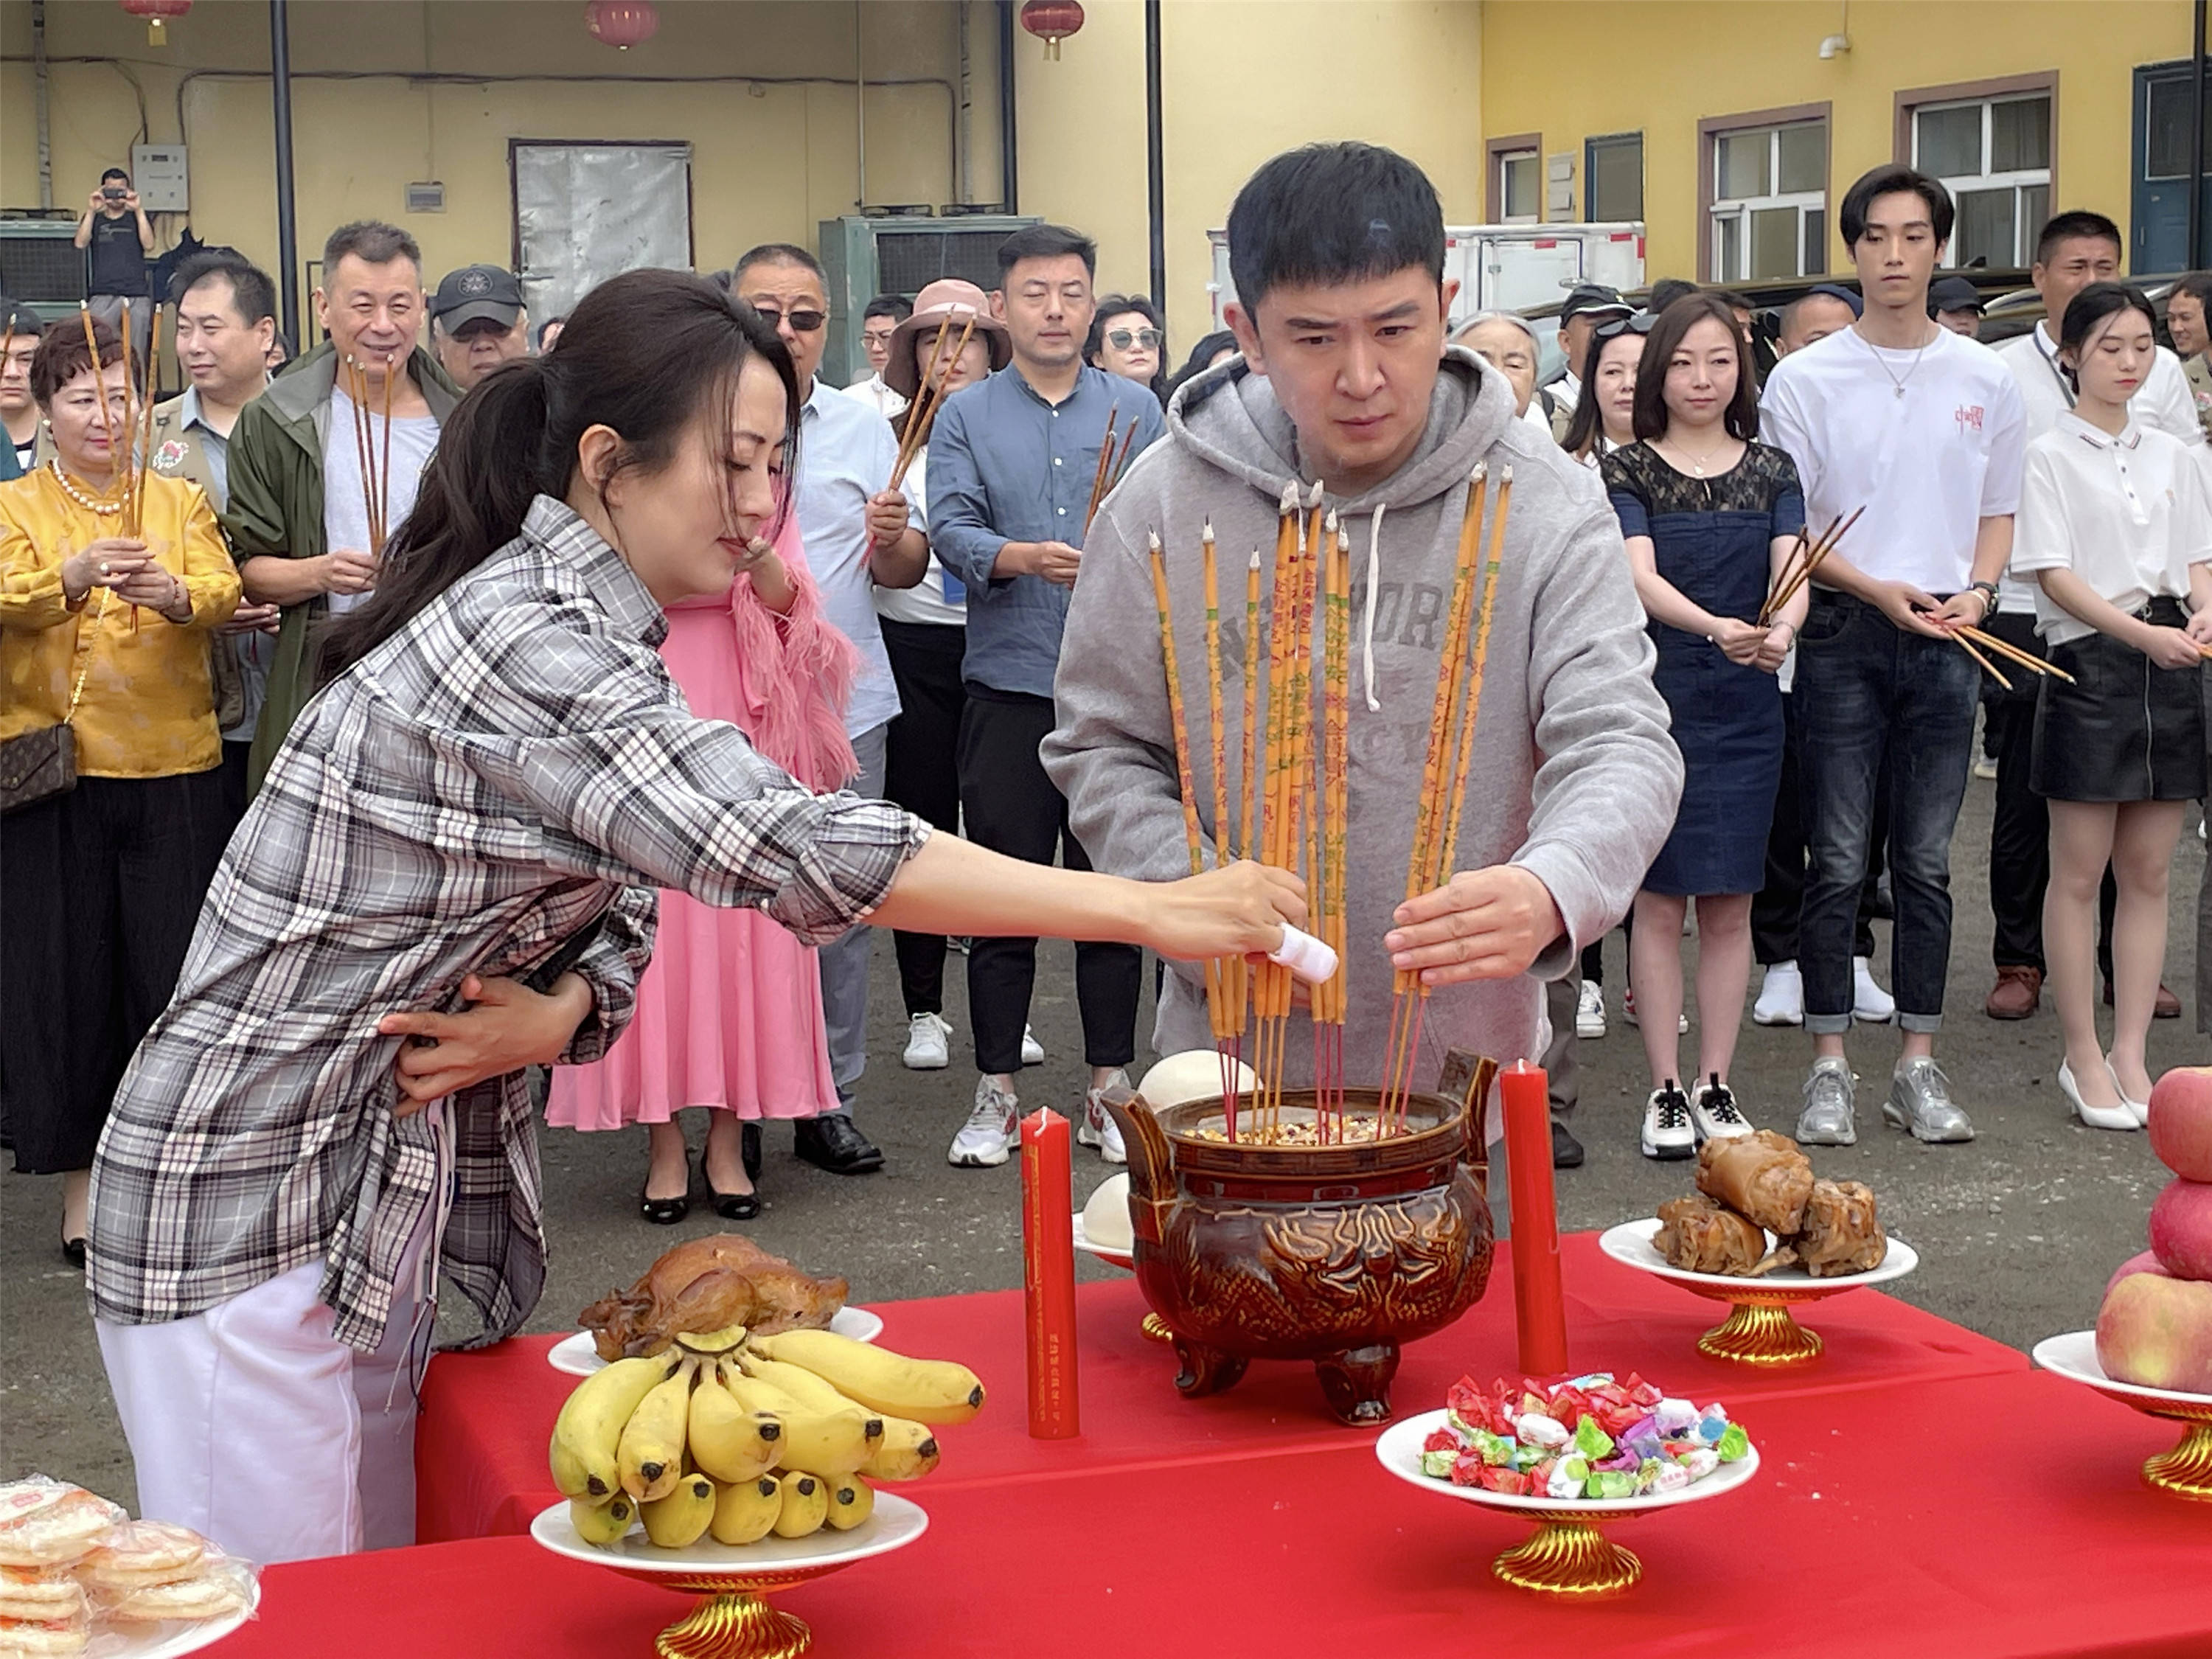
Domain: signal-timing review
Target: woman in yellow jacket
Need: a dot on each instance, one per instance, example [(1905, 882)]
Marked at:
[(101, 883)]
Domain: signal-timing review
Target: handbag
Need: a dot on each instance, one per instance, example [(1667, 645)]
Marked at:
[(39, 765)]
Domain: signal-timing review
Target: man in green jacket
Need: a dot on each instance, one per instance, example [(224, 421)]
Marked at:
[(300, 517)]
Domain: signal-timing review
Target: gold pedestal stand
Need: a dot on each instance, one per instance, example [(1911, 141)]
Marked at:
[(731, 1620), (1760, 1330), (2186, 1471), (1568, 1556)]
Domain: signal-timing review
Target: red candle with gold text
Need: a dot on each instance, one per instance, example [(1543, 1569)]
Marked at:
[(1048, 1274), (1539, 1309)]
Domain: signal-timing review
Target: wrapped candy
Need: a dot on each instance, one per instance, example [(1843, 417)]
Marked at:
[(1538, 1430)]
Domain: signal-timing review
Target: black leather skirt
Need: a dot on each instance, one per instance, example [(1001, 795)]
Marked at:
[(2128, 731)]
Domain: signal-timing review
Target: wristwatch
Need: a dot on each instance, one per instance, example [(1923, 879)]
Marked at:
[(1989, 592)]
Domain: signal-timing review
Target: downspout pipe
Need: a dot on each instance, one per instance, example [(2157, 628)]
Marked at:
[(288, 230)]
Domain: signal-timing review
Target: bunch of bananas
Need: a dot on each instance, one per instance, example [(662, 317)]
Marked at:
[(740, 1436)]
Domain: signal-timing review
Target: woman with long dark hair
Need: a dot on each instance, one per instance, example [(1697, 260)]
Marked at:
[(495, 777), (1604, 418), (1710, 516), (2115, 525), (1128, 339)]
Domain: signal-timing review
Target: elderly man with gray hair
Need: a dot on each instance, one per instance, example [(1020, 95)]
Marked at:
[(1508, 343)]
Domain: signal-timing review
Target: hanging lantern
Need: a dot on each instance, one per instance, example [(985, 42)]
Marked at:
[(621, 24), (157, 14), (1052, 21)]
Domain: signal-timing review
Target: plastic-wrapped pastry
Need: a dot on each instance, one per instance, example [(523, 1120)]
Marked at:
[(1762, 1177), (1698, 1236), (1841, 1234)]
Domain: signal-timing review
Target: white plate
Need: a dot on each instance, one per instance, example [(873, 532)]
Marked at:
[(576, 1356), (174, 1637), (896, 1521), (1123, 1259), (2074, 1356), (1630, 1243), (1398, 1450)]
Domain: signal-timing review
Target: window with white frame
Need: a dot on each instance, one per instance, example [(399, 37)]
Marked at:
[(1769, 212), (1521, 187), (1994, 155)]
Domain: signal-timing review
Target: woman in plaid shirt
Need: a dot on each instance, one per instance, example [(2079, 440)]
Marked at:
[(477, 808)]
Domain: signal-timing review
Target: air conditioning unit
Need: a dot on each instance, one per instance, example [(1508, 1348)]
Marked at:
[(866, 257), (41, 265)]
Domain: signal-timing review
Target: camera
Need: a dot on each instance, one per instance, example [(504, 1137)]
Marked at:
[(114, 192)]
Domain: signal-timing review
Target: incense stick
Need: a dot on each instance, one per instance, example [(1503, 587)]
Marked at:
[(2027, 660), (384, 467), (1105, 460), (1221, 992), (931, 392), (1967, 645), (146, 445), (1827, 545)]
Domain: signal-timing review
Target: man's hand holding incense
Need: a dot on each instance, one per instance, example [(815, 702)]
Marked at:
[(1912, 610), (1481, 924), (1970, 608), (888, 517), (348, 571), (1056, 562), (510, 1027)]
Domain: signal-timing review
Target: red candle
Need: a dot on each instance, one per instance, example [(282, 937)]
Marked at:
[(1048, 1274), (1539, 1301)]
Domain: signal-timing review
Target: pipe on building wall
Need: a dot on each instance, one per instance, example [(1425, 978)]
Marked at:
[(2195, 260), (288, 230), (860, 113), (44, 118), (1009, 193), (963, 131), (1155, 159)]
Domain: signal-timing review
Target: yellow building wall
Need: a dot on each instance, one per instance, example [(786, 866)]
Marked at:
[(1241, 80), (769, 160), (1575, 69)]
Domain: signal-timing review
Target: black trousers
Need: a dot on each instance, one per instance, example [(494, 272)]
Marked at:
[(102, 888), (1011, 807), (922, 771), (1775, 907)]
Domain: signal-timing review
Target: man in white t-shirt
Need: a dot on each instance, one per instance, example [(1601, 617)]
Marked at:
[(2075, 249), (1923, 429)]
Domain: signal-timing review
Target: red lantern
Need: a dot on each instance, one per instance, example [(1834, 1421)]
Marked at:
[(1052, 21), (157, 14), (622, 24)]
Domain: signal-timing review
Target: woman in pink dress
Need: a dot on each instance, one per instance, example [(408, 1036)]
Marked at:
[(729, 1014)]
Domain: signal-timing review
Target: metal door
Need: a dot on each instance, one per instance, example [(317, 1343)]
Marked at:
[(2160, 205), (585, 211)]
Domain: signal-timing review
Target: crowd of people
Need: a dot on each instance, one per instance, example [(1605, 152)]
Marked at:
[(909, 624)]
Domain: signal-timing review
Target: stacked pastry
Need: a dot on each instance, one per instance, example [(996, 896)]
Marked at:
[(72, 1563), (1754, 1185)]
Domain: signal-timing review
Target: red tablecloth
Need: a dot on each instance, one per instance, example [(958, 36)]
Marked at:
[(2014, 1528), (480, 1444)]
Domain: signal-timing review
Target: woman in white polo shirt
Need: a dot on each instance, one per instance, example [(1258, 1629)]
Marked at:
[(2116, 526)]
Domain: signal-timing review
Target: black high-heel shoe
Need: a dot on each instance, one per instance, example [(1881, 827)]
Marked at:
[(734, 1207), (666, 1211), (73, 1252)]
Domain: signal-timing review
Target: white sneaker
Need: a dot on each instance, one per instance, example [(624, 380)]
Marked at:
[(1668, 1129), (993, 1126), (1869, 1002), (1099, 1130), (1716, 1115), (1986, 769), (1628, 1013), (1032, 1050), (925, 1047), (1781, 997), (1590, 1012)]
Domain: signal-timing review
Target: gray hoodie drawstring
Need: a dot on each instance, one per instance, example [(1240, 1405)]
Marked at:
[(1367, 622)]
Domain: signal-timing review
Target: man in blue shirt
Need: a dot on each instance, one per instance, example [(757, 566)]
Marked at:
[(1011, 462)]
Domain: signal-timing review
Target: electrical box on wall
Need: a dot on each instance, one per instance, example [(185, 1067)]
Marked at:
[(159, 174)]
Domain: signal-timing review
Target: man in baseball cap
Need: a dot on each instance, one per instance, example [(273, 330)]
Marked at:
[(1588, 304), (1957, 304), (478, 322)]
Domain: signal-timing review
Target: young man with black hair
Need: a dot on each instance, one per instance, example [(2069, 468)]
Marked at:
[(2074, 249), (19, 411), (859, 535), (1011, 462), (1337, 253), (1923, 429), (879, 322), (2188, 311), (117, 239)]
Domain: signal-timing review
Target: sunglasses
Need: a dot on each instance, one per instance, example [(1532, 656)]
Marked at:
[(1641, 322), (802, 322), (1122, 338)]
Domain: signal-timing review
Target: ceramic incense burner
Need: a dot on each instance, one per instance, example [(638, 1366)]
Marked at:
[(1336, 1253)]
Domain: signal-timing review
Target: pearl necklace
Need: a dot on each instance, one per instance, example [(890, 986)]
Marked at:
[(103, 508)]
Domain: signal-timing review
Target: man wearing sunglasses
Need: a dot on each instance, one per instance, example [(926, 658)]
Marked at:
[(858, 537)]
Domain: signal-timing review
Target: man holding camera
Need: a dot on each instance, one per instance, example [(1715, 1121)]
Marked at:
[(117, 239)]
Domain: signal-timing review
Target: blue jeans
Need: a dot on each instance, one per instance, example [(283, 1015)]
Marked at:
[(1867, 691), (844, 963)]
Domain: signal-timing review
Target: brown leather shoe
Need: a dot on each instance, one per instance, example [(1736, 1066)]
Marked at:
[(2168, 1005), (2018, 994)]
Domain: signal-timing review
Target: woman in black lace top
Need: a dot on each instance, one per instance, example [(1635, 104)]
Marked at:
[(1709, 516)]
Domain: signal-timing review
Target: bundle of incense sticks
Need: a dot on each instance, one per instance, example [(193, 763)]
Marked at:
[(1112, 464), (1446, 770), (1796, 574), (128, 460), (930, 394), (1971, 637), (375, 465)]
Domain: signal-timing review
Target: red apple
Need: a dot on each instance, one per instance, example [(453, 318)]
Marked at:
[(2143, 1263), (2181, 1122), (2157, 1332), (2181, 1229)]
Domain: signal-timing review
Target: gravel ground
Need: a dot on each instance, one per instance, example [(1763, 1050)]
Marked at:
[(2017, 1231)]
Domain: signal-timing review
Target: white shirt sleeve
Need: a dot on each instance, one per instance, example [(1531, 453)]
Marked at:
[(2001, 481), (2164, 403), (2041, 539), (1782, 423), (2192, 511)]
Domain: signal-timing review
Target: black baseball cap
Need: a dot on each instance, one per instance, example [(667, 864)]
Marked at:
[(1838, 291), (1955, 293), (475, 293), (1586, 299), (26, 322)]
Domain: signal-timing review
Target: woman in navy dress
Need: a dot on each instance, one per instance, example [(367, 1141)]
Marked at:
[(1711, 517)]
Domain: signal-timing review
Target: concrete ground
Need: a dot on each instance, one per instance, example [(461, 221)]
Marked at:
[(2017, 1231)]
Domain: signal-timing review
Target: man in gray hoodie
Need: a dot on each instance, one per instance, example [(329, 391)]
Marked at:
[(1337, 254)]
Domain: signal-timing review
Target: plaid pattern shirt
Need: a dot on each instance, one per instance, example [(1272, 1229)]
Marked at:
[(512, 767)]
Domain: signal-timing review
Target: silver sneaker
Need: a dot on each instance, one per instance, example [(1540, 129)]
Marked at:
[(1826, 1119), (1920, 1101), (991, 1128)]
